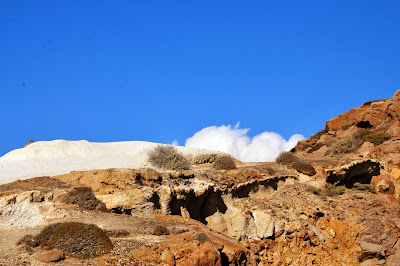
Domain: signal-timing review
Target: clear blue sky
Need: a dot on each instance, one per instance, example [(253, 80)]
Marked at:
[(163, 70)]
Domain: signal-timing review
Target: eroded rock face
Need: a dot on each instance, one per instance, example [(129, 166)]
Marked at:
[(30, 208), (356, 172), (374, 114)]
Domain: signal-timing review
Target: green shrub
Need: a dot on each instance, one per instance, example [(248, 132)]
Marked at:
[(168, 158), (297, 163), (75, 239), (84, 198), (376, 138), (224, 162)]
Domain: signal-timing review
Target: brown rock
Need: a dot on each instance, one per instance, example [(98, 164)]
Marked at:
[(394, 130), (231, 249), (168, 258), (396, 95), (51, 256), (204, 254), (367, 149), (383, 184)]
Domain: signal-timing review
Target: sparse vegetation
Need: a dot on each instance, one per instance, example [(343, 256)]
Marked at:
[(269, 170), (332, 190), (373, 101), (305, 146), (316, 147), (203, 158), (318, 135), (342, 146), (84, 198), (349, 145), (168, 158), (376, 138), (328, 190), (295, 162), (346, 127), (160, 230), (364, 187), (224, 162), (75, 239)]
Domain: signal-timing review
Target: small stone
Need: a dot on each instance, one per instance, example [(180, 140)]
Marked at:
[(51, 256)]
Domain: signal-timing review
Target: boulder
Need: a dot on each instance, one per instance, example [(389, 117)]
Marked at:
[(383, 184), (367, 149)]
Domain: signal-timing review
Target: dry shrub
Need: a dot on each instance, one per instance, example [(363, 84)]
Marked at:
[(224, 162), (373, 101), (332, 190), (349, 145), (305, 146), (269, 170), (295, 162), (328, 190), (318, 135), (168, 158), (347, 126), (376, 138), (316, 147), (203, 158), (84, 198), (364, 187), (75, 239), (160, 230)]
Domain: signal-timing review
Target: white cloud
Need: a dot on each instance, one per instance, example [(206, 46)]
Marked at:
[(175, 142), (235, 141)]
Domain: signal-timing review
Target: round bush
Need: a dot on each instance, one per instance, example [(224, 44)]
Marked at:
[(75, 239), (290, 159), (167, 157), (224, 162), (376, 138)]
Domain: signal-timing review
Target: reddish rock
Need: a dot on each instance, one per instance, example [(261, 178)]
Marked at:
[(186, 249), (377, 114), (234, 252), (51, 256), (205, 254)]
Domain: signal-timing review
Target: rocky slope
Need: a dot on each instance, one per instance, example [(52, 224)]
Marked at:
[(348, 213)]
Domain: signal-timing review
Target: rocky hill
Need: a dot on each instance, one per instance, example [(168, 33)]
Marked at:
[(333, 200)]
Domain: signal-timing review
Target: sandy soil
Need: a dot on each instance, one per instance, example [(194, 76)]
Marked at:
[(51, 158)]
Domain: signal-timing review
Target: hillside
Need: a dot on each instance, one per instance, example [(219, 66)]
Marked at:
[(332, 200)]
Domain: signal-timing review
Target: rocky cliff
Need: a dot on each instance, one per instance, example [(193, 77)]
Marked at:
[(347, 213)]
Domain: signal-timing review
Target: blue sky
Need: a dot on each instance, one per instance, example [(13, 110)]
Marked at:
[(163, 70)]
